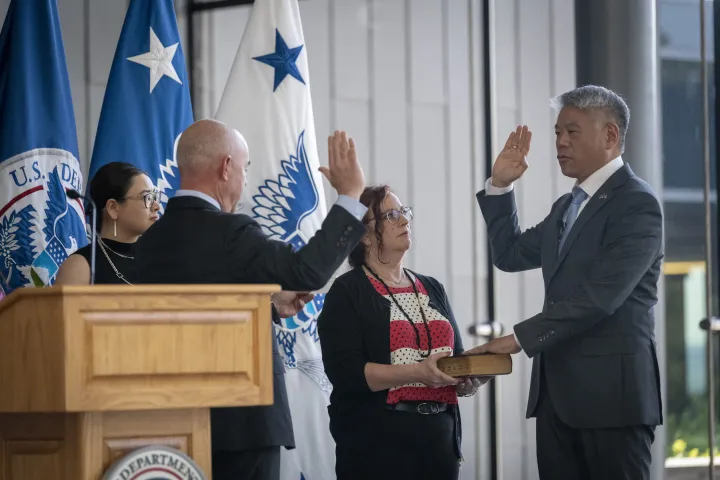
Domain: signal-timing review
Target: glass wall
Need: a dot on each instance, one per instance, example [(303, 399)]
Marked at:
[(682, 145)]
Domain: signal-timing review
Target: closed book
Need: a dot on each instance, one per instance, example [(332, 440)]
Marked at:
[(480, 365)]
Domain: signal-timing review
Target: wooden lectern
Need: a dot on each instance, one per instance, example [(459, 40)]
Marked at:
[(89, 373)]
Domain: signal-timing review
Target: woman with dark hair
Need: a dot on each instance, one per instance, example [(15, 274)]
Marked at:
[(393, 413), (127, 205)]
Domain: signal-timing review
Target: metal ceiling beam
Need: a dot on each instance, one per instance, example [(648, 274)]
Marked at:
[(194, 6)]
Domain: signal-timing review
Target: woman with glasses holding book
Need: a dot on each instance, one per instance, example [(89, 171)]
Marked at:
[(128, 203), (393, 413)]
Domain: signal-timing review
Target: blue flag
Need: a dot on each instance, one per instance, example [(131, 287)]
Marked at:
[(147, 100), (39, 226)]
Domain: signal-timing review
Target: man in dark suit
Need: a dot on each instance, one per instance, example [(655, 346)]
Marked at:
[(595, 388), (200, 240)]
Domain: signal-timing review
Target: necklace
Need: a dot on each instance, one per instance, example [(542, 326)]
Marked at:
[(388, 278), (100, 240), (395, 282), (407, 317), (117, 272)]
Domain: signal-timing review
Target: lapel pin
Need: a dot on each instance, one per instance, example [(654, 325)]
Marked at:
[(602, 196)]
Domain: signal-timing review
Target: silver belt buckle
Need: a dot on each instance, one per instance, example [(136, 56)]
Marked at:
[(434, 409)]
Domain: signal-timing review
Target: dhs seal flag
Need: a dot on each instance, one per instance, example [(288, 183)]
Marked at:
[(156, 462), (39, 226), (267, 99)]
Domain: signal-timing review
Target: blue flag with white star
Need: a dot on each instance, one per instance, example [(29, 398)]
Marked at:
[(147, 100), (267, 99), (39, 226)]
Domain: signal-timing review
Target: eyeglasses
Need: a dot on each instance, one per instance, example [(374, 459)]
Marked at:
[(149, 198), (393, 216)]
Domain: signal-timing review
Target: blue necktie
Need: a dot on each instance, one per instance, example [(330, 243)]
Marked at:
[(571, 214)]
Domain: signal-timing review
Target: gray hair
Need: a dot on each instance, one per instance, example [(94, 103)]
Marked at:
[(592, 97)]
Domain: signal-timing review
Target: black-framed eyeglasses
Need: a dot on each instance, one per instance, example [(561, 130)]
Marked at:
[(149, 198), (393, 216)]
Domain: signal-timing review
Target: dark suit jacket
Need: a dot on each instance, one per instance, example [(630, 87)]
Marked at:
[(194, 242), (595, 337)]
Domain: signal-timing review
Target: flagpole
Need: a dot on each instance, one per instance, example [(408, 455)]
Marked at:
[(189, 13), (708, 243)]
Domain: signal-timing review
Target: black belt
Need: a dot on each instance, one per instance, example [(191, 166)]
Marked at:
[(423, 408)]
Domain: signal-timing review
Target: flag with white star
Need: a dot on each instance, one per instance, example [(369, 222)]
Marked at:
[(267, 99), (147, 99)]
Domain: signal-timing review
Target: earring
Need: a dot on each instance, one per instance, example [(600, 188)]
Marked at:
[(115, 228)]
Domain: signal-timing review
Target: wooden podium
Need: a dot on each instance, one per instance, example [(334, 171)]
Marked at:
[(89, 373)]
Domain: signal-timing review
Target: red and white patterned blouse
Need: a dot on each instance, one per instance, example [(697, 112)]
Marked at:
[(404, 349)]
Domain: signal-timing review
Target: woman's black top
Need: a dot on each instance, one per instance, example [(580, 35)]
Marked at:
[(354, 330), (120, 254)]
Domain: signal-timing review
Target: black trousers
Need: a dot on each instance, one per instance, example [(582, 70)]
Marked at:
[(255, 464), (565, 453), (391, 445)]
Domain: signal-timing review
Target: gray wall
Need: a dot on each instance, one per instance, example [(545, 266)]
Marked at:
[(534, 60), (404, 77)]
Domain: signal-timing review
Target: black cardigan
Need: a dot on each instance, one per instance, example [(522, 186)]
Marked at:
[(354, 330)]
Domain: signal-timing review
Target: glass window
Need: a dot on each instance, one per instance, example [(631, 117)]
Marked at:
[(682, 109)]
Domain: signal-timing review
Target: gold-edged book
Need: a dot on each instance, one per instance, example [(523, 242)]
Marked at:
[(483, 364)]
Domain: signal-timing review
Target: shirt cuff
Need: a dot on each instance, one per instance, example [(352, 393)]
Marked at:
[(355, 208), (517, 341), (491, 189)]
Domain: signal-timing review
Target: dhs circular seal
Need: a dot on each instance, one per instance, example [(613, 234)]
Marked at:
[(156, 462)]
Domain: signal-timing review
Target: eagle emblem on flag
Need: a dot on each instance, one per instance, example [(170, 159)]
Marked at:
[(280, 208)]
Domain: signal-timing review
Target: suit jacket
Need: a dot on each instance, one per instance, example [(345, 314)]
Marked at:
[(593, 344), (194, 242)]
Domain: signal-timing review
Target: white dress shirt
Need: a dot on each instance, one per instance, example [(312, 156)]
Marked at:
[(590, 186), (200, 195)]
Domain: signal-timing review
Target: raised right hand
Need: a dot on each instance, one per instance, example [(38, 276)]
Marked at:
[(344, 172), (429, 375), (511, 162)]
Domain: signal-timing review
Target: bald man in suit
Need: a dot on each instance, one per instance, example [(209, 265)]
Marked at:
[(200, 239)]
